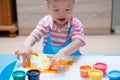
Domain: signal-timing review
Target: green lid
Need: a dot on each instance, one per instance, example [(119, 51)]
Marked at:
[(19, 74)]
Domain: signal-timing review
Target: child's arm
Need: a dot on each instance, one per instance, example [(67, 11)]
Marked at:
[(72, 47), (30, 41), (26, 50), (63, 53)]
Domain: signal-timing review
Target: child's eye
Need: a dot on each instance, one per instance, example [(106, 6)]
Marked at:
[(56, 10), (67, 9)]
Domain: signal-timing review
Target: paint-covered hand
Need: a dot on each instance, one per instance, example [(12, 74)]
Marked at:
[(25, 52), (59, 57)]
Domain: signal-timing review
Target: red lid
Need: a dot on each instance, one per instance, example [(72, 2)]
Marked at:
[(100, 65)]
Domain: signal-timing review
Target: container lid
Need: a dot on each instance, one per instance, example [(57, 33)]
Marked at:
[(19, 73), (95, 72), (85, 67), (114, 74), (33, 73), (100, 65)]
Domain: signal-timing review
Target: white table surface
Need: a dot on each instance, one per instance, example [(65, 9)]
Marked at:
[(113, 62)]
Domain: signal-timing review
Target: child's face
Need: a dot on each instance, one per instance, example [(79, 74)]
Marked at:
[(61, 10)]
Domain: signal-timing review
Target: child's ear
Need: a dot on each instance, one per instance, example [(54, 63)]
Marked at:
[(46, 4)]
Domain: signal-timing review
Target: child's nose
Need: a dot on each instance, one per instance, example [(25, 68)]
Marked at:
[(62, 13)]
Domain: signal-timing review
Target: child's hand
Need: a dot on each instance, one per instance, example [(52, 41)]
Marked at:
[(60, 56), (25, 53)]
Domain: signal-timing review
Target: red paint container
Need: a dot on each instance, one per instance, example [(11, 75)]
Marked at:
[(101, 66), (84, 69)]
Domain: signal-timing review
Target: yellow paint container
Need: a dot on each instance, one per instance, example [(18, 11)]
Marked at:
[(95, 74)]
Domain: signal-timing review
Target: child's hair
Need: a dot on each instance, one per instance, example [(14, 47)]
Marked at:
[(56, 0)]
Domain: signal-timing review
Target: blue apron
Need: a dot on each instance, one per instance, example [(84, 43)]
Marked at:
[(52, 49)]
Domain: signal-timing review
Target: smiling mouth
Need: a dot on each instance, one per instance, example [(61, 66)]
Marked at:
[(61, 19)]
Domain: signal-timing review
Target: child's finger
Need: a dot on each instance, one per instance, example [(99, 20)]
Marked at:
[(50, 57), (60, 63), (18, 54), (52, 62), (35, 53), (24, 64), (29, 62), (27, 56)]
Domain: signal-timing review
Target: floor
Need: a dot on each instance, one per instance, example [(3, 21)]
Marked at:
[(96, 44)]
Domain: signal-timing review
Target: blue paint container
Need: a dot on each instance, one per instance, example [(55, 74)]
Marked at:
[(114, 75), (33, 74)]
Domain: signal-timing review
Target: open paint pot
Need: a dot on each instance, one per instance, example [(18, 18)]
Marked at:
[(95, 74), (33, 74), (18, 75), (114, 75), (101, 66), (84, 69)]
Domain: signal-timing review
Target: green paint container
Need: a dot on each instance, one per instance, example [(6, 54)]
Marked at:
[(18, 75)]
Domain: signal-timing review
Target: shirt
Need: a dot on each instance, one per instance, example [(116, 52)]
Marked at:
[(59, 36)]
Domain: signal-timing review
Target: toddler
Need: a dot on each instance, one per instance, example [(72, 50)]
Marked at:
[(63, 33)]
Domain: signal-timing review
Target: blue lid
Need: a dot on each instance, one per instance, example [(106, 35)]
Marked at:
[(33, 72), (114, 74)]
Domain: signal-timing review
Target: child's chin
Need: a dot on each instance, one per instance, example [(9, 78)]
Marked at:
[(62, 22)]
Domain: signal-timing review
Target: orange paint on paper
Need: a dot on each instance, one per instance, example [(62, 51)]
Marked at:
[(48, 69), (60, 63)]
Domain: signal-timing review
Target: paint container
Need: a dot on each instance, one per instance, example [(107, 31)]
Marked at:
[(95, 74), (84, 69), (33, 74), (101, 66), (18, 75), (114, 75)]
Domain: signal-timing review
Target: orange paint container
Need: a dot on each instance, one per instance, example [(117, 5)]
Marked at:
[(95, 74), (84, 69)]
